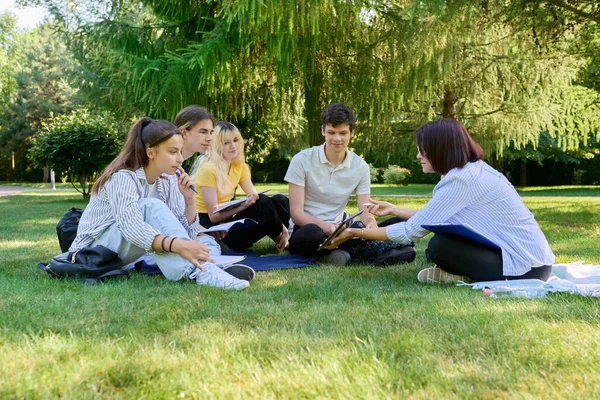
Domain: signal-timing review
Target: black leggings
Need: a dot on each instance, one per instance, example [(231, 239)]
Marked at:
[(460, 256), (270, 213)]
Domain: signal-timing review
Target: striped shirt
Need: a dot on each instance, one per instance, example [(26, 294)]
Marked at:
[(479, 196), (117, 202)]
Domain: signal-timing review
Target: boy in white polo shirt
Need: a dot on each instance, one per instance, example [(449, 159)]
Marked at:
[(321, 180)]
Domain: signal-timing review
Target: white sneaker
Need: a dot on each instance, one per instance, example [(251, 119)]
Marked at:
[(438, 275), (216, 277)]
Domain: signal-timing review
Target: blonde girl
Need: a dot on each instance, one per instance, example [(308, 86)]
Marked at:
[(219, 173)]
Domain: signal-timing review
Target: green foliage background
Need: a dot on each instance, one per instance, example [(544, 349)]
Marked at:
[(509, 70), (79, 144)]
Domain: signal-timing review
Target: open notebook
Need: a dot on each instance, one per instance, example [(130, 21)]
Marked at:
[(463, 231), (223, 261), (228, 205), (225, 227)]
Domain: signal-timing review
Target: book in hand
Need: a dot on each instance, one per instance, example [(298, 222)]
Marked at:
[(228, 205), (463, 231), (343, 225), (227, 226)]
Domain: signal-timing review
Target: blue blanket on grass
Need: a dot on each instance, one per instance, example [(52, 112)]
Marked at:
[(254, 261)]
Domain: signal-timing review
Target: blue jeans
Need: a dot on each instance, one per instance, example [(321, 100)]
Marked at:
[(159, 216)]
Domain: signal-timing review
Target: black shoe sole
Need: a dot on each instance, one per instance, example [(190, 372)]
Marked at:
[(240, 271)]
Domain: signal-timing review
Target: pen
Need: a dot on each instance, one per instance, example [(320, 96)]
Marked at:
[(190, 185)]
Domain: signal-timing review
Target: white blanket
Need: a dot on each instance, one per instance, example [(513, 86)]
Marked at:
[(576, 277)]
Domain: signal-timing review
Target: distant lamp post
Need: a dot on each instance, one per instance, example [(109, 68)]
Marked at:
[(52, 180)]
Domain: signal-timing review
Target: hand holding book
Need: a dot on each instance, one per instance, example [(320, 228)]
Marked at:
[(229, 205), (329, 242), (346, 234)]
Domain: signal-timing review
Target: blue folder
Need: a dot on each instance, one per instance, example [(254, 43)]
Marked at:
[(462, 231)]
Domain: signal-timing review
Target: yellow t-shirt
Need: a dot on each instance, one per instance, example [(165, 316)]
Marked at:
[(207, 176)]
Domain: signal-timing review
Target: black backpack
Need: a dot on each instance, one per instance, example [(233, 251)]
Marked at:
[(89, 264), (377, 252), (66, 229)]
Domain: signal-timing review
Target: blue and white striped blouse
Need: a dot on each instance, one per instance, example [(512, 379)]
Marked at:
[(481, 197), (117, 202)]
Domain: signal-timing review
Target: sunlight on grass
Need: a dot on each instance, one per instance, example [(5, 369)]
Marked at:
[(24, 244), (33, 221), (270, 280), (47, 193), (566, 188), (316, 332)]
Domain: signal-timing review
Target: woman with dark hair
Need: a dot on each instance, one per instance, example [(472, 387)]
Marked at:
[(470, 193), (140, 206)]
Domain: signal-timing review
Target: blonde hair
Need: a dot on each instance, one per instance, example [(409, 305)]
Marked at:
[(215, 154)]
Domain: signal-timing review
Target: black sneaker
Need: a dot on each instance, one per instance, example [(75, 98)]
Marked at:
[(338, 258), (240, 271)]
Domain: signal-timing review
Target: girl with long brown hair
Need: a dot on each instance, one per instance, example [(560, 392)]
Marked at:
[(139, 205)]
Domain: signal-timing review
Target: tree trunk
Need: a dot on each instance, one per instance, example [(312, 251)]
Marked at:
[(85, 188), (523, 172), (449, 103), (46, 176), (313, 103)]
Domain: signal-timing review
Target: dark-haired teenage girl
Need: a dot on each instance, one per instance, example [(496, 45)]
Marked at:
[(140, 206)]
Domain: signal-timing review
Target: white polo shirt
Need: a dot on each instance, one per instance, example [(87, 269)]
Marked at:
[(327, 189)]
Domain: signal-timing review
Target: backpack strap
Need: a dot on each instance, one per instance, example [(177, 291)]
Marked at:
[(114, 274), (46, 268)]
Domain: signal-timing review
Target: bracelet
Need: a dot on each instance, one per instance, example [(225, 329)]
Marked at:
[(362, 233), (171, 245), (162, 243)]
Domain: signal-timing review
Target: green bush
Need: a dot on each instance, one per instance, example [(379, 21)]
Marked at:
[(395, 175), (79, 145), (374, 173)]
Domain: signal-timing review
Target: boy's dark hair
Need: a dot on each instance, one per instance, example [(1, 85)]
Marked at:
[(447, 145), (191, 115), (337, 114)]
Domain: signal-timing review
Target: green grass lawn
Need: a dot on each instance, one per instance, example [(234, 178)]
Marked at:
[(424, 190), (319, 332)]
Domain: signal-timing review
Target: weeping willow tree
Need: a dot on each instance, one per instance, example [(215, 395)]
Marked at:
[(462, 60), (263, 65), (269, 64)]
